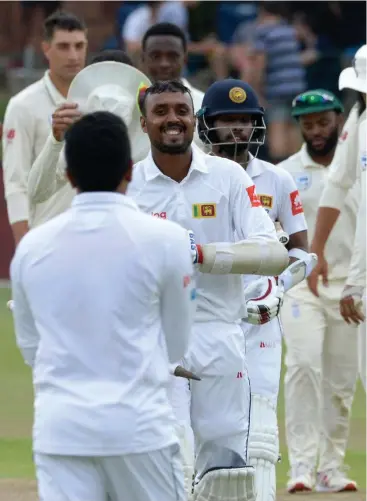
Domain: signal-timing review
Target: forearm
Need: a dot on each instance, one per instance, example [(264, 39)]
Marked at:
[(325, 222), (43, 181), (19, 229), (247, 257)]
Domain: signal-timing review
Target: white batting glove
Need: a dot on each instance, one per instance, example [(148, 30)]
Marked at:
[(264, 298), (10, 305)]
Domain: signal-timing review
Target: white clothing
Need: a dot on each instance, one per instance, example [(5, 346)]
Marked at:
[(311, 179), (215, 201), (47, 177), (280, 198), (102, 303), (27, 124), (151, 476), (137, 23), (347, 168), (321, 359)]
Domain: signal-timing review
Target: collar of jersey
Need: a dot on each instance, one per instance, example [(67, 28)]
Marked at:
[(254, 167), (306, 160), (55, 95), (103, 198), (198, 163)]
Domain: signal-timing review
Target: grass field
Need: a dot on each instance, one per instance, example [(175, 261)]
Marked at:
[(16, 468)]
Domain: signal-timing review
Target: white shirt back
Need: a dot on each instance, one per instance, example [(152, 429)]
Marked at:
[(103, 301), (217, 201)]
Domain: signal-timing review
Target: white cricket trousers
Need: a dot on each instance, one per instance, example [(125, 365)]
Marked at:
[(321, 373), (220, 402), (362, 347), (152, 476)]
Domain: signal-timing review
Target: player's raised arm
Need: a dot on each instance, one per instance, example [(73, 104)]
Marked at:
[(47, 175)]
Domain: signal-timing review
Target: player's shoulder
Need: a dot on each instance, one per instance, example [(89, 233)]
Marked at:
[(36, 239), (26, 98), (294, 162)]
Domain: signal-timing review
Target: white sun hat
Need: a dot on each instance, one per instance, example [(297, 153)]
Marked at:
[(355, 77), (112, 86)]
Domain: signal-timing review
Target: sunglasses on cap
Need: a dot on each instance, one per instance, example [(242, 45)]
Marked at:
[(312, 99)]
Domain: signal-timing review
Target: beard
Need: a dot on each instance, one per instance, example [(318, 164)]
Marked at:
[(330, 144), (172, 149), (232, 150)]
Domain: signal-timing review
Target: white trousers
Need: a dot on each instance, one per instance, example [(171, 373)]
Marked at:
[(264, 358), (321, 373), (220, 403), (153, 476)]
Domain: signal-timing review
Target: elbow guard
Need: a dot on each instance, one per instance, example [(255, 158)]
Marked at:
[(249, 257)]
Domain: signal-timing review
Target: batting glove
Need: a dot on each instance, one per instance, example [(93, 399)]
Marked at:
[(264, 298), (196, 253)]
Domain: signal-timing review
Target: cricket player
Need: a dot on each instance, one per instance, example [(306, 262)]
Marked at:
[(164, 57), (214, 198), (348, 168), (27, 119), (231, 122), (321, 359), (115, 83), (99, 324)]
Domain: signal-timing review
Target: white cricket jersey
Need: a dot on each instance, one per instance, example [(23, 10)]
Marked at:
[(216, 200), (278, 194), (27, 124), (103, 301), (311, 179)]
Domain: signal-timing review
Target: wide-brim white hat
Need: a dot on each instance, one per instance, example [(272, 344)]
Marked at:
[(112, 86), (355, 77)]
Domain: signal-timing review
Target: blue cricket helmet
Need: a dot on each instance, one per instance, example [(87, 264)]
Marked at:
[(231, 97)]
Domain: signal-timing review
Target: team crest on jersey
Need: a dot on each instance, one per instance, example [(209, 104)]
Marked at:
[(200, 211), (266, 201), (303, 181)]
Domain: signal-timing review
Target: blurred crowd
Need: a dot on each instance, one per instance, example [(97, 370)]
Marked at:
[(280, 48)]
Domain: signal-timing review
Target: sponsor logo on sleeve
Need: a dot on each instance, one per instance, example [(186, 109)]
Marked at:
[(200, 211), (296, 203), (254, 199)]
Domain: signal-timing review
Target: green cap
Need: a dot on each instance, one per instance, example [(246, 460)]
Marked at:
[(315, 101)]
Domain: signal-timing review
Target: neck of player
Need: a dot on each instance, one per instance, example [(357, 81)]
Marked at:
[(174, 166), (61, 85), (324, 160)]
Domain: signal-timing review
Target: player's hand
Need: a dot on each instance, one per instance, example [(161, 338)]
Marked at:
[(351, 304), (195, 249), (264, 298), (62, 118), (321, 269)]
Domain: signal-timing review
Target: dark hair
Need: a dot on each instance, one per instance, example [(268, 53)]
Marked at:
[(98, 151), (165, 29), (159, 88), (61, 21), (118, 56), (275, 8)]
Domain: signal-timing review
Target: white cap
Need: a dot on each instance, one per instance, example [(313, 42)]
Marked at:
[(112, 86), (355, 77)]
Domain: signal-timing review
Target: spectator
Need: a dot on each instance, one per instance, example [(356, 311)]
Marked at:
[(137, 24), (276, 72)]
